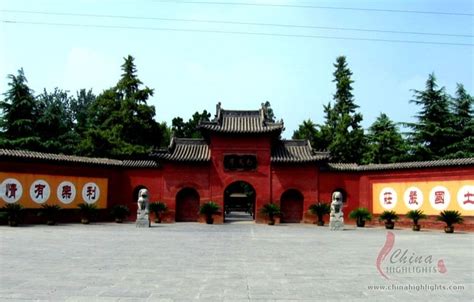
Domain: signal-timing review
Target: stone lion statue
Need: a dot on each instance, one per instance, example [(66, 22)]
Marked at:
[(143, 201), (336, 218)]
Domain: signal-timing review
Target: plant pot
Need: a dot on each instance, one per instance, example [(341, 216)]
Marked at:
[(84, 220), (271, 222), (389, 225), (449, 229), (13, 223), (360, 223), (50, 222), (209, 220), (416, 227), (118, 220), (320, 222)]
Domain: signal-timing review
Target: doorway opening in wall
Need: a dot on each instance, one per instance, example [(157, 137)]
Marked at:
[(239, 202)]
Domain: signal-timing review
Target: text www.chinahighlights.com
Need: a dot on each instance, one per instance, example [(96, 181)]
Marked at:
[(416, 287)]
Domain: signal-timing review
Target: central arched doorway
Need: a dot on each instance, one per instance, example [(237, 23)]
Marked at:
[(187, 205), (239, 202), (291, 206)]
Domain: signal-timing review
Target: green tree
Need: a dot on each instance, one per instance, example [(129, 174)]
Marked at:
[(189, 129), (432, 132), (19, 115), (384, 142), (309, 131), (342, 130), (462, 125), (55, 122), (120, 121), (80, 106)]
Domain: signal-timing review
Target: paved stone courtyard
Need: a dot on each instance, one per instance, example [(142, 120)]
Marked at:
[(231, 262)]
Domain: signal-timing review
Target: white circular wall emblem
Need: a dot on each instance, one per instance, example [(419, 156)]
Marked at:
[(388, 198), (66, 192), (40, 191), (11, 190), (440, 198), (413, 198), (466, 197), (90, 192)]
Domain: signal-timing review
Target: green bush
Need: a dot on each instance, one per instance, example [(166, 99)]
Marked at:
[(50, 213), (13, 213), (450, 217), (320, 209), (120, 212), (361, 215)]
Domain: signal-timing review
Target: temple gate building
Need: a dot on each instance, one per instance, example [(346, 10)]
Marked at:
[(241, 163)]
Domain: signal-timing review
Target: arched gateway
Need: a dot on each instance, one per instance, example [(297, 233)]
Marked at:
[(187, 205), (292, 206), (239, 201)]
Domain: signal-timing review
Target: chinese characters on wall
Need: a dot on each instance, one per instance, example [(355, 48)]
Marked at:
[(51, 189), (431, 197)]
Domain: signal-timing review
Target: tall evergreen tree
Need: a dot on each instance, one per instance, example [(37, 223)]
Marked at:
[(432, 132), (462, 125), (19, 115), (120, 121), (342, 130), (385, 143)]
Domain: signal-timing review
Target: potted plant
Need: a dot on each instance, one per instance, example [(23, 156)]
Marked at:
[(361, 215), (270, 210), (208, 209), (158, 208), (320, 209), (120, 212), (13, 213), (416, 215), (450, 217), (87, 211), (389, 217), (50, 213)]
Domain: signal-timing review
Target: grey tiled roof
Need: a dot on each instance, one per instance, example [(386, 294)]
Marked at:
[(50, 157), (186, 150), (239, 121), (33, 155), (140, 163), (296, 151), (406, 165)]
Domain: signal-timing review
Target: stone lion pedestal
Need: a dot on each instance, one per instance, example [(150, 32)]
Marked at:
[(143, 216)]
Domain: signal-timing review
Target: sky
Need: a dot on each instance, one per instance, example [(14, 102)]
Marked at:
[(194, 65)]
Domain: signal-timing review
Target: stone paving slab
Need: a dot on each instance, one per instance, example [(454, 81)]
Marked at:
[(230, 262)]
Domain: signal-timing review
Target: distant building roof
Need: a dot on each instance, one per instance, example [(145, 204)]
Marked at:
[(241, 122), (405, 165), (296, 151), (186, 150), (60, 158)]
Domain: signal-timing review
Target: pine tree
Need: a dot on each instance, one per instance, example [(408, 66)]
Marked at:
[(462, 125), (19, 115), (432, 132), (120, 121), (385, 143), (342, 130)]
